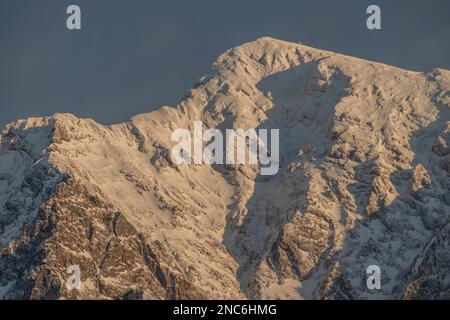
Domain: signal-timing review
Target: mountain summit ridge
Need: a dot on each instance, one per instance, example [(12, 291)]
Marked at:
[(364, 180)]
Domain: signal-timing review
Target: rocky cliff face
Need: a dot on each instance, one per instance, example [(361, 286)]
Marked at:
[(364, 179)]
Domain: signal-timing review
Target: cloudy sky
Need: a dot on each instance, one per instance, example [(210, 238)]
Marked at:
[(133, 56)]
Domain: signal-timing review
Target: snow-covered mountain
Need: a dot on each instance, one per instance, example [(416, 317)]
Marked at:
[(364, 179)]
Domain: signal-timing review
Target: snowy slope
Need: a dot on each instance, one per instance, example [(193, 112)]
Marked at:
[(364, 179)]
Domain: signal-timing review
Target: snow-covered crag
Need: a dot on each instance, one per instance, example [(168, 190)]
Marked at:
[(364, 179)]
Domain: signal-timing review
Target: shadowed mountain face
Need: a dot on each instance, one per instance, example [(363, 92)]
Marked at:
[(363, 180)]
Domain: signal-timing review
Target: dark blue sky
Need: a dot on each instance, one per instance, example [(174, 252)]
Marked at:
[(134, 55)]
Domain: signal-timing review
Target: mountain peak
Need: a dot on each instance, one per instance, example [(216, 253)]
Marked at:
[(363, 180)]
